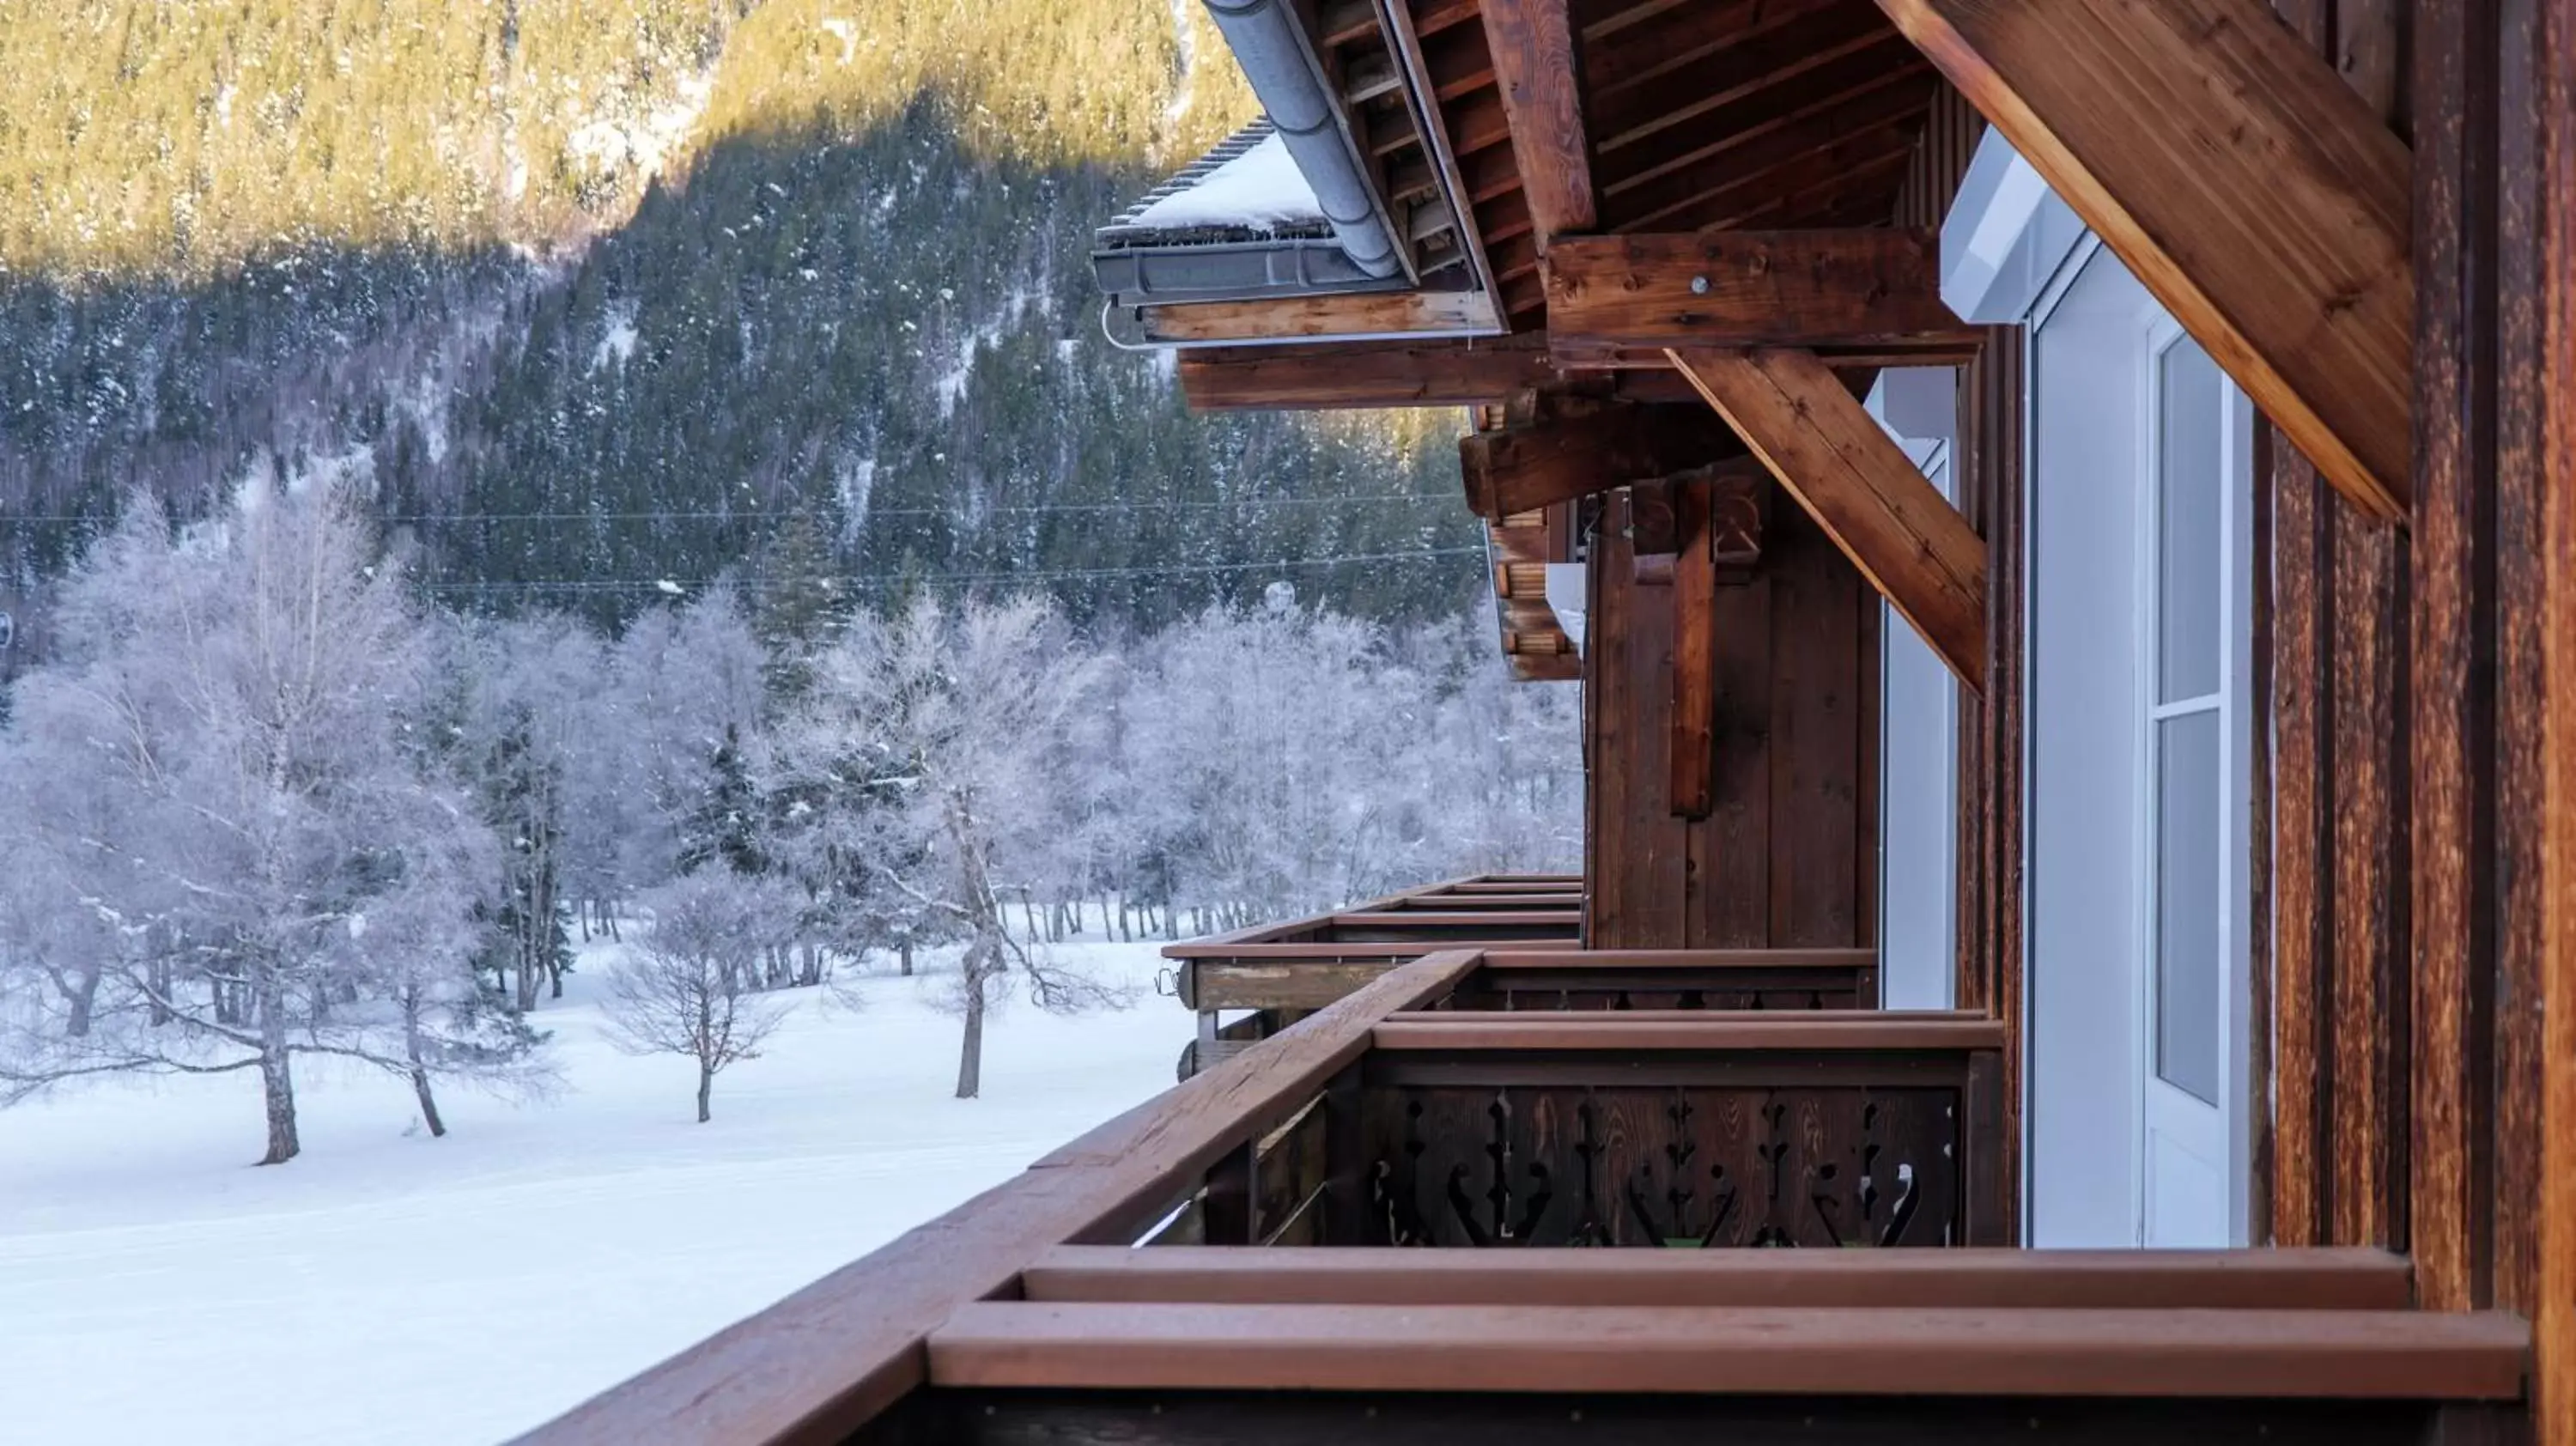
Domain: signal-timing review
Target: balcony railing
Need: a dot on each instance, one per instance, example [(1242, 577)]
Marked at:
[(1268, 1301)]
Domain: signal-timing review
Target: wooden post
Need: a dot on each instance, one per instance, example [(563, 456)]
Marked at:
[(1694, 725)]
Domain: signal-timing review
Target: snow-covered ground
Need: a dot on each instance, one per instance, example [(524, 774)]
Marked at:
[(388, 1287)]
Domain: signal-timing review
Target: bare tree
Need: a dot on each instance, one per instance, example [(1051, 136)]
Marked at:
[(692, 986), (949, 730), (257, 849)]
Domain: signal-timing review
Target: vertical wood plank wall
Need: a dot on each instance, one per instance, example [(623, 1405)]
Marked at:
[(2410, 804), (1787, 855), (2336, 631)]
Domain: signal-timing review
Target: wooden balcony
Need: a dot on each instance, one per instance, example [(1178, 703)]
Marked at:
[(1224, 1262), (1281, 973)]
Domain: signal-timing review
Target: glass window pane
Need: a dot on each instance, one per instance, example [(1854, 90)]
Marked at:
[(2188, 850), (2191, 407)]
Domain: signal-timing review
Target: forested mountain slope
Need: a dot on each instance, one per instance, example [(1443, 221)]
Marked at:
[(605, 299)]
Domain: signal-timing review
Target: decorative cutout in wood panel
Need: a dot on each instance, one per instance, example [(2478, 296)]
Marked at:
[(1685, 1165)]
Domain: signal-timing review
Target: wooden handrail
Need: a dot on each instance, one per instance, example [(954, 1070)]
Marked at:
[(2384, 1355), (1456, 919), (1810, 1031), (1522, 956), (1433, 903), (1329, 951), (2322, 1279), (822, 1362)]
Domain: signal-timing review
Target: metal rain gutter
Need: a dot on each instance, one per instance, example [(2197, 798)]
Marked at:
[(1289, 82)]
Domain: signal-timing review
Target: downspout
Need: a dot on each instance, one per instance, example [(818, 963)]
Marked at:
[(1289, 82)]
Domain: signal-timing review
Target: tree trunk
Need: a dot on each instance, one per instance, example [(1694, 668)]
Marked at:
[(428, 1103), (903, 951), (277, 1095), (970, 1057), (706, 1086), (276, 1073), (83, 997), (413, 1052)]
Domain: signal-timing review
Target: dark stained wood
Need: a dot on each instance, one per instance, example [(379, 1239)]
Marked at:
[(1638, 851), (1362, 314), (1694, 679), (1790, 716), (1895, 527), (1678, 96), (1747, 289), (1456, 923), (1859, 1030), (1755, 110), (2272, 218), (1360, 374), (1574, 453), (2525, 387), (1733, 854), (1851, 125), (1540, 71), (1625, 60), (2553, 184), (2339, 875), (1302, 1418), (1442, 903), (813, 1367), (1965, 1277), (2451, 729), (1818, 754), (1510, 958), (2397, 1355)]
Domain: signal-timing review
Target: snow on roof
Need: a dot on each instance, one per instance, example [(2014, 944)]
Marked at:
[(1260, 189)]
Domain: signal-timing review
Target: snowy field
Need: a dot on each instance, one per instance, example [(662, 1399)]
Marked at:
[(388, 1287)]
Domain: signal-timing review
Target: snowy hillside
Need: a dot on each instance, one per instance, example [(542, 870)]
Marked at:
[(387, 1287)]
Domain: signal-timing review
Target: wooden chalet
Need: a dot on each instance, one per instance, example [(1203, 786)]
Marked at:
[(2063, 513)]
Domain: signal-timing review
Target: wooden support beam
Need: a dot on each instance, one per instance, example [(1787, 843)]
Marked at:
[(1363, 314), (1540, 72), (1585, 448), (1901, 533), (1361, 374), (2248, 187), (1861, 286)]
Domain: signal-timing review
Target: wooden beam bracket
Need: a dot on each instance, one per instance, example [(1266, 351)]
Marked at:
[(2252, 192), (1833, 457)]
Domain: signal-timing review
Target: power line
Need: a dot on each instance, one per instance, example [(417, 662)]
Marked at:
[(1014, 509), (664, 585)]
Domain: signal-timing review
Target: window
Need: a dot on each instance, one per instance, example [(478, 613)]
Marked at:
[(2186, 756)]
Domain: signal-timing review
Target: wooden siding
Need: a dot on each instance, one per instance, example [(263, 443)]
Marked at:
[(1787, 856), (2408, 793)]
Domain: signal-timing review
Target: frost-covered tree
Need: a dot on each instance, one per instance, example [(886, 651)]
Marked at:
[(527, 719), (953, 727), (280, 865), (682, 680), (691, 986)]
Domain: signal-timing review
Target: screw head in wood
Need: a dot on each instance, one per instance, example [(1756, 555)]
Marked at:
[(1699, 286)]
